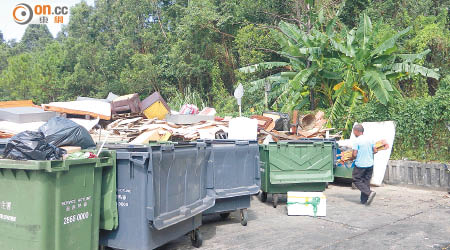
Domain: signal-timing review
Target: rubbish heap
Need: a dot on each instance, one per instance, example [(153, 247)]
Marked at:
[(140, 131), (275, 126), (127, 119)]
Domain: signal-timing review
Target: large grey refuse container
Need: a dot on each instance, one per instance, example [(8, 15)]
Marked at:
[(236, 176), (161, 192)]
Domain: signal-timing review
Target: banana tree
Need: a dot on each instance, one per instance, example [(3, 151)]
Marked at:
[(307, 66), (371, 69)]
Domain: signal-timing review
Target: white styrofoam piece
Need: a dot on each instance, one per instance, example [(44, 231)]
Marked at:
[(188, 119), (377, 131), (243, 128), (87, 124), (25, 114), (298, 208)]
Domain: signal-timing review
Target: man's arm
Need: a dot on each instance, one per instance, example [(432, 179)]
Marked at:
[(375, 150), (355, 152)]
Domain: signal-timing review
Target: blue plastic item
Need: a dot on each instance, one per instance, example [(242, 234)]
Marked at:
[(236, 176), (161, 192), (343, 170)]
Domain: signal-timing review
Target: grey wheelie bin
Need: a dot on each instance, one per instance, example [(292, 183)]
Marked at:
[(3, 143), (236, 176), (162, 191)]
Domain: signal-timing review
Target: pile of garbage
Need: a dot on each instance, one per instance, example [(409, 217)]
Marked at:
[(127, 119), (274, 126), (141, 131)]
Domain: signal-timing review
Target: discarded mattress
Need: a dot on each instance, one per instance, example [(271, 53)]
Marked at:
[(377, 131)]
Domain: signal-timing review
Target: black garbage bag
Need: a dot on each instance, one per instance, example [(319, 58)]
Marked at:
[(31, 145), (282, 123), (60, 131)]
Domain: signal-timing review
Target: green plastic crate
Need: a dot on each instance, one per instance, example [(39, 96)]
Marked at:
[(299, 166), (55, 205), (342, 171)]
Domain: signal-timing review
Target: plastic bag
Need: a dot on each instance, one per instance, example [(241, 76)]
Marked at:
[(189, 109), (282, 121), (81, 155), (60, 131), (31, 145)]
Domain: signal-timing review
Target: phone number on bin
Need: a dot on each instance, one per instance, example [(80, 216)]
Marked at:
[(76, 217)]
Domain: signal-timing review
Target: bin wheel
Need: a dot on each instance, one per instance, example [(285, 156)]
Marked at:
[(224, 215), (196, 238), (244, 217), (275, 200), (263, 196)]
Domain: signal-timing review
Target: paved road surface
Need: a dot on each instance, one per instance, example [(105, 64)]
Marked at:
[(399, 218)]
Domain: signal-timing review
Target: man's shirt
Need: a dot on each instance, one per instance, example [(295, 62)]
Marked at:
[(364, 157)]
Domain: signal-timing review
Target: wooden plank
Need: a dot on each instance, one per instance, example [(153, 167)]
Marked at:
[(75, 112), (14, 104), (145, 137), (4, 135)]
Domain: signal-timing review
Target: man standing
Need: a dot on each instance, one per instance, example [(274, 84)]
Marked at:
[(363, 151)]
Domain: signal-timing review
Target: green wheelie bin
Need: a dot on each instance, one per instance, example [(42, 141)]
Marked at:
[(57, 205), (295, 166)]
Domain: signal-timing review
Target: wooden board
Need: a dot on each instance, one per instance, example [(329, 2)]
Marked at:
[(71, 149), (14, 104), (145, 137), (75, 112)]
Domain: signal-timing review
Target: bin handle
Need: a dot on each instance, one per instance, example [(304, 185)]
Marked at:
[(318, 143), (167, 147), (57, 166), (139, 158), (258, 166), (137, 161)]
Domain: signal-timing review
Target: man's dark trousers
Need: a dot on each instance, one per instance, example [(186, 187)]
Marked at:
[(361, 178)]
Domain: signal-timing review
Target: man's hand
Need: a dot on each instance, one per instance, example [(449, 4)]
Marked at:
[(375, 150), (355, 152)]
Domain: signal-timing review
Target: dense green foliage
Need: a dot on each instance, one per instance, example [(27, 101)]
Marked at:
[(421, 124), (191, 51)]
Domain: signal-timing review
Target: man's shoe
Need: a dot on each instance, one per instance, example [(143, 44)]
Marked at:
[(370, 199)]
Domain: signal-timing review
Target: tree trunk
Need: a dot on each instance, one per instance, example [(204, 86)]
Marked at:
[(312, 104)]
